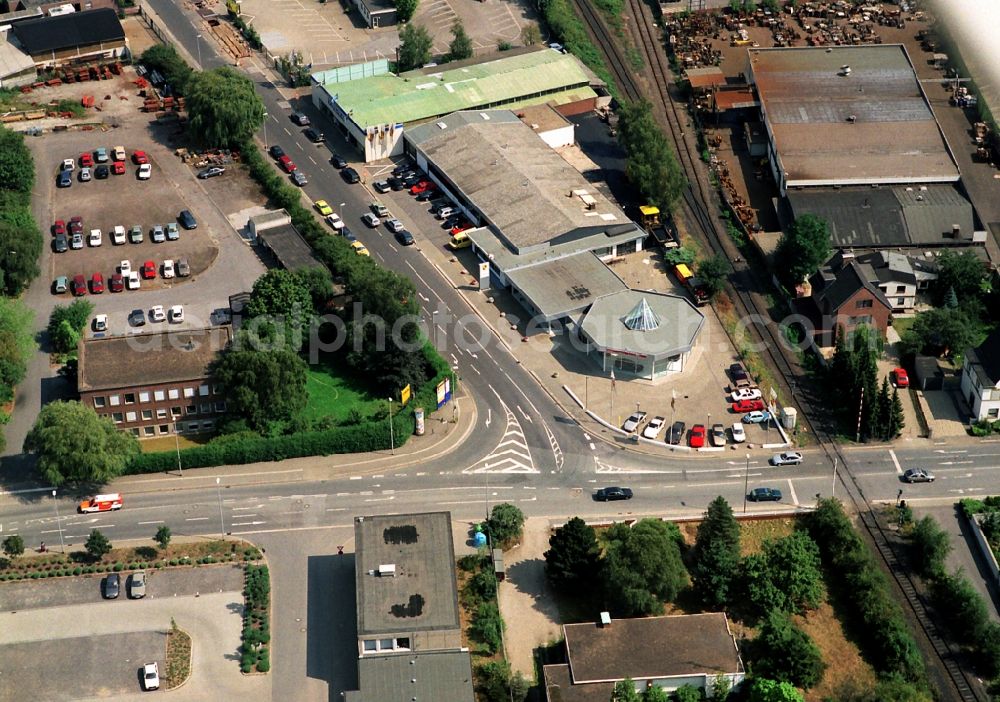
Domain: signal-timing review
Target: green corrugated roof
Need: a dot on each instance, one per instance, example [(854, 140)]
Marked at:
[(418, 95)]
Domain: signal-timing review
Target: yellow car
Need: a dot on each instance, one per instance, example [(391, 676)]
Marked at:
[(359, 248), (323, 208)]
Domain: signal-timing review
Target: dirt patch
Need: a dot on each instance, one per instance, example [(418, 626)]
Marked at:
[(843, 661)]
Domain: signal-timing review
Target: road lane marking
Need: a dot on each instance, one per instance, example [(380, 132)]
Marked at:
[(895, 462), (160, 521), (791, 489), (196, 519)]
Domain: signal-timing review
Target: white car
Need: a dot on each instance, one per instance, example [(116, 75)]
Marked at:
[(633, 421), (132, 282), (176, 314), (150, 677), (125, 268), (746, 394), (95, 237), (168, 268), (145, 171), (118, 236), (788, 458), (119, 153), (654, 427), (101, 323), (156, 313), (370, 219), (739, 435), (68, 164), (334, 220), (394, 225)]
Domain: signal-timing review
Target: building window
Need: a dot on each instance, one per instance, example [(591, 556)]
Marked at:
[(403, 643), (148, 431), (174, 394), (114, 400), (159, 395), (900, 301), (863, 304), (188, 392), (864, 319), (192, 409), (135, 432), (175, 412), (206, 407), (220, 406), (99, 402), (208, 425), (203, 390), (130, 398), (386, 644), (992, 414), (193, 426), (164, 428), (147, 415), (370, 646), (216, 389), (130, 416), (117, 417), (161, 414), (900, 289), (144, 396)]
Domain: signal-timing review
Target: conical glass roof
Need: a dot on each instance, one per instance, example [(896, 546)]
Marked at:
[(642, 318)]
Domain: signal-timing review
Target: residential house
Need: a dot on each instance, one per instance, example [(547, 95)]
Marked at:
[(981, 378), (844, 297), (667, 652), (154, 384), (409, 633)]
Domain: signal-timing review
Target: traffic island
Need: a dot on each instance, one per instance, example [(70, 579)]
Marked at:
[(178, 657)]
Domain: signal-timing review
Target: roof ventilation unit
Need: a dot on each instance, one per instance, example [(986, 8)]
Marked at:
[(387, 570)]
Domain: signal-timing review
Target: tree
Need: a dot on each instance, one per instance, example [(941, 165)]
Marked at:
[(784, 652), (624, 691), (66, 324), (802, 250), (964, 272), (97, 545), (20, 247), (642, 567), (224, 109), (651, 163), (950, 298), (13, 545), (487, 626), (285, 300), (573, 560), (162, 537), (262, 386), (715, 557), (75, 445), (713, 272), (17, 343), (460, 47), (785, 575), (763, 690), (415, 47), (405, 9), (493, 681), (883, 410), (17, 167), (897, 420), (886, 689), (505, 524), (531, 35), (64, 338), (942, 332), (318, 282), (684, 693), (165, 59)]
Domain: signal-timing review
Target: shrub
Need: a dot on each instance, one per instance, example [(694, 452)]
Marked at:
[(487, 626), (263, 662), (246, 662), (929, 547), (118, 567)]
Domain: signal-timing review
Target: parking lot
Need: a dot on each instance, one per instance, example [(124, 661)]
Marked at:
[(220, 263)]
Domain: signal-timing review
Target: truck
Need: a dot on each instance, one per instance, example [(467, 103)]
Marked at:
[(101, 503), (687, 278)]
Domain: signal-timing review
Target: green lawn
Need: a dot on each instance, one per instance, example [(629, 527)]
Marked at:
[(902, 324), (333, 395)]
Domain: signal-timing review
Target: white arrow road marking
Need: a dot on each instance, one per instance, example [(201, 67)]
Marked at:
[(511, 454), (489, 416)]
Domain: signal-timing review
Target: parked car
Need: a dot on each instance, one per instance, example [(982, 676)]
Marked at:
[(183, 268), (739, 376), (654, 427), (286, 164), (323, 207), (381, 186), (697, 437), (173, 234), (211, 172), (422, 186), (132, 281), (334, 220), (176, 314), (119, 153), (788, 458), (149, 270), (350, 175), (79, 286), (276, 152), (68, 164), (459, 241), (76, 241), (900, 378), (404, 237), (299, 178), (158, 236), (756, 417), (300, 119), (102, 172), (739, 435), (187, 220), (918, 475), (608, 494), (168, 268), (676, 433), (370, 219), (140, 158), (58, 227), (634, 420), (445, 212), (337, 161), (96, 284), (379, 209), (60, 244), (359, 248), (100, 322), (116, 283), (76, 224), (314, 136), (112, 586), (150, 676), (60, 285), (746, 394), (764, 494), (135, 234), (118, 235), (86, 160), (118, 168), (137, 318), (156, 313), (428, 195), (401, 168), (394, 225), (145, 172), (747, 406), (718, 435), (395, 182), (65, 179), (95, 238), (101, 154)]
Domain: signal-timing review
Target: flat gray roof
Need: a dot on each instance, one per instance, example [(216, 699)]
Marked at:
[(435, 676), (507, 261), (525, 190), (568, 285), (807, 103), (289, 247), (680, 322), (422, 595)]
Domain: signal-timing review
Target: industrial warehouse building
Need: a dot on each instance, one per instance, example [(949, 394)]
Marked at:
[(544, 232), (373, 107), (75, 37)]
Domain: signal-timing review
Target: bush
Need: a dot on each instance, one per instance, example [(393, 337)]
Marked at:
[(487, 626), (929, 547), (505, 525), (493, 681), (263, 662)]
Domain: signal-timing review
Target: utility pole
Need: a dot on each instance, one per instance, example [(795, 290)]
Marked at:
[(833, 487), (222, 521), (177, 445), (746, 485), (392, 439), (62, 544), (861, 406)]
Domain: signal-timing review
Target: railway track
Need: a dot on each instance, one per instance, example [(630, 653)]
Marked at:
[(698, 202)]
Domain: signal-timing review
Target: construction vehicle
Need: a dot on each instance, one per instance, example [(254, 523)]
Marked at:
[(694, 286), (664, 233)]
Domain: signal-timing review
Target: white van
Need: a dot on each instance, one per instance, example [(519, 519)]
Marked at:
[(445, 212)]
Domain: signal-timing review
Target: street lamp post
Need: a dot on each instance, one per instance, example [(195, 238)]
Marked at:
[(198, 38), (833, 486), (222, 521), (62, 544), (177, 445), (746, 485), (392, 439), (265, 131)]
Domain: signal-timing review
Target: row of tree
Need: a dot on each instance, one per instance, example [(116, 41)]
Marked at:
[(16, 346), (416, 42), (862, 406), (20, 239)]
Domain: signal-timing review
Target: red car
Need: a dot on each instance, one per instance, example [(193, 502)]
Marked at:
[(286, 164), (117, 283), (460, 228), (59, 227), (118, 168), (697, 436), (744, 406), (96, 284), (86, 160), (79, 285), (422, 186), (148, 270), (900, 378), (139, 158), (76, 224)]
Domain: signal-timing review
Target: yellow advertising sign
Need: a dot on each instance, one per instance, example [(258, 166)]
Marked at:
[(404, 396)]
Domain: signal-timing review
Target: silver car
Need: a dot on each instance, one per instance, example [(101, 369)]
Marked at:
[(633, 422), (137, 585), (158, 236)]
